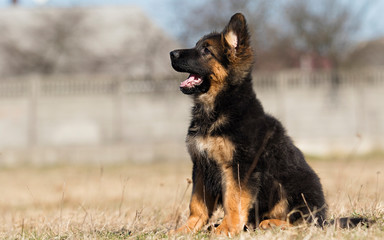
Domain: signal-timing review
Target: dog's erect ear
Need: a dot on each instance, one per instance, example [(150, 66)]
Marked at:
[(236, 32)]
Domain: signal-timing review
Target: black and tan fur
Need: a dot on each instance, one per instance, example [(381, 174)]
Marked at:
[(242, 157)]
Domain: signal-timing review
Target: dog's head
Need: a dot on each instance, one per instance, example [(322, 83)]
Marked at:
[(218, 59)]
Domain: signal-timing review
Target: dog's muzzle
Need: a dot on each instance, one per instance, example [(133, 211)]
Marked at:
[(174, 54)]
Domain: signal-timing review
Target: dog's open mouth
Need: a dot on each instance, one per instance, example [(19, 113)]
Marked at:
[(192, 81)]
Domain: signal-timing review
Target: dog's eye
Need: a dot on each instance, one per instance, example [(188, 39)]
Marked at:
[(206, 51)]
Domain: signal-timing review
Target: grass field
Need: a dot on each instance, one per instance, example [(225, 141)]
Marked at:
[(145, 201)]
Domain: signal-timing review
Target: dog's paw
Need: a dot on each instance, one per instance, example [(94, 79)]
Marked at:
[(225, 229), (272, 223)]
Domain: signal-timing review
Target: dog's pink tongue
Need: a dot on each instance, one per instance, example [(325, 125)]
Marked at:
[(191, 81)]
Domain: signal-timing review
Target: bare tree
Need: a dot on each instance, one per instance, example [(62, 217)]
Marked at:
[(51, 45), (323, 28), (283, 31), (60, 35), (279, 53)]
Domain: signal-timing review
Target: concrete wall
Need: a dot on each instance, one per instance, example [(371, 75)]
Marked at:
[(121, 121)]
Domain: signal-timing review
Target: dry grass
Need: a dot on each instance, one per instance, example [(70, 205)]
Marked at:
[(145, 201)]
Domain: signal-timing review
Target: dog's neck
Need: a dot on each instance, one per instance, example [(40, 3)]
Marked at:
[(231, 103)]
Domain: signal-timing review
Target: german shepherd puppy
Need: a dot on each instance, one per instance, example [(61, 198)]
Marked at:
[(242, 157)]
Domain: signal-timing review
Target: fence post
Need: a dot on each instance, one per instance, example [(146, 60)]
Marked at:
[(281, 88), (34, 87), (118, 110)]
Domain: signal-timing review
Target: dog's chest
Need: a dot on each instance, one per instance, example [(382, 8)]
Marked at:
[(217, 148)]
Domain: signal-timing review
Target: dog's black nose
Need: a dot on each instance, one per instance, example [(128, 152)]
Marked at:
[(175, 54)]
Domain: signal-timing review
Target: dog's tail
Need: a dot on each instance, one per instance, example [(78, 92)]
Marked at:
[(349, 222)]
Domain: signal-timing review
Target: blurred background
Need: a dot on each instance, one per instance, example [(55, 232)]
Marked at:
[(91, 82)]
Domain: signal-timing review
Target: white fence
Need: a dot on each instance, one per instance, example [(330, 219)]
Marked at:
[(105, 119)]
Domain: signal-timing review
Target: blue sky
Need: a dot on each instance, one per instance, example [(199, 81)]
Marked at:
[(158, 10), (161, 12)]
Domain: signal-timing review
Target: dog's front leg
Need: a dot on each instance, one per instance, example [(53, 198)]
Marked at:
[(236, 201), (201, 206)]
